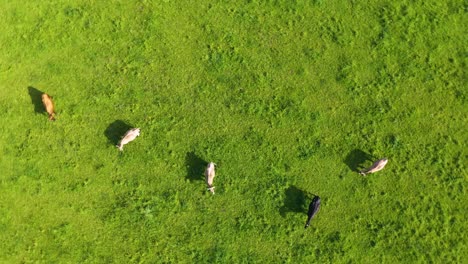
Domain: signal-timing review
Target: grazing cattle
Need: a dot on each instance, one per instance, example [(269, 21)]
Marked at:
[(49, 106), (129, 136), (378, 165), (313, 209), (209, 176)]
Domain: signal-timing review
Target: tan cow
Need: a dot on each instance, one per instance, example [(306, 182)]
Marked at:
[(49, 106)]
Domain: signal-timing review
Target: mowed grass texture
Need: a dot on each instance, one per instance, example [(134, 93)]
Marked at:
[(287, 97)]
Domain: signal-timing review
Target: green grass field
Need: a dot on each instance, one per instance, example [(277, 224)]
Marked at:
[(288, 97)]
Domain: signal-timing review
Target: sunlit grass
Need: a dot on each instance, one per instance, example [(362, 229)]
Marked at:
[(287, 97)]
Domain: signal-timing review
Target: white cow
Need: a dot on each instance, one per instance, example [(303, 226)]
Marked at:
[(378, 165), (209, 176), (129, 136)]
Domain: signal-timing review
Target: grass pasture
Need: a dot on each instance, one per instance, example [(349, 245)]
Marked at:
[(289, 98)]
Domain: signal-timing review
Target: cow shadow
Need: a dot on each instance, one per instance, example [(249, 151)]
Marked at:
[(195, 167), (116, 130), (295, 201), (356, 158), (36, 99)]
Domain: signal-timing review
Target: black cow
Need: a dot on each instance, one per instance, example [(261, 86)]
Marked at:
[(313, 209)]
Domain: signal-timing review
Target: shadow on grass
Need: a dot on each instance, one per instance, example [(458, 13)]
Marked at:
[(116, 130), (36, 99), (356, 158), (296, 201), (195, 167)]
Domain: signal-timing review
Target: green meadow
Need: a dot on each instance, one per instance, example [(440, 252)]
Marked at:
[(290, 98)]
